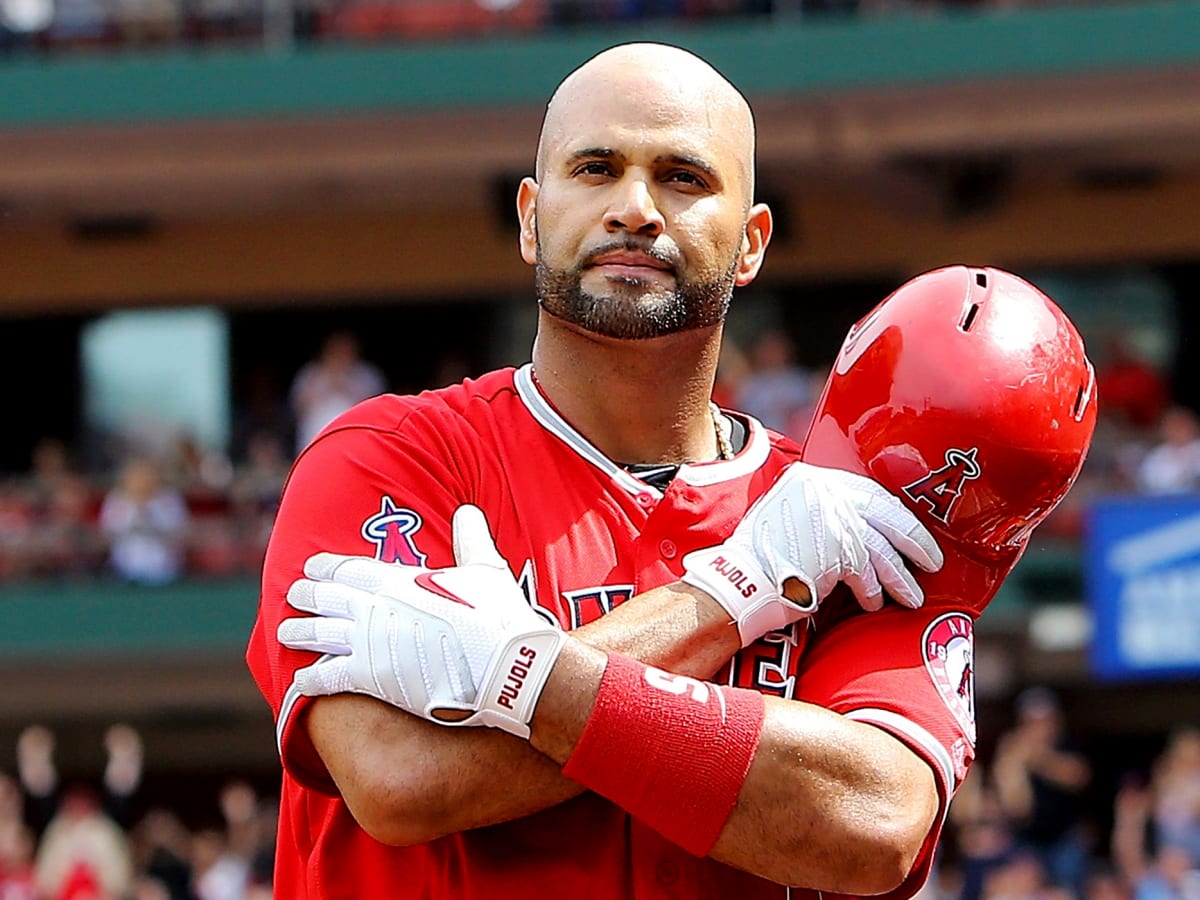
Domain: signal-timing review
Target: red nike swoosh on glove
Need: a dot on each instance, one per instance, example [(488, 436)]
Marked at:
[(425, 580)]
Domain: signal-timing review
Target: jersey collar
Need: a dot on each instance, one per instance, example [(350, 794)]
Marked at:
[(753, 455)]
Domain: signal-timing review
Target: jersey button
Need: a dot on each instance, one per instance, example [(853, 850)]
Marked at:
[(668, 549), (666, 872), (645, 499)]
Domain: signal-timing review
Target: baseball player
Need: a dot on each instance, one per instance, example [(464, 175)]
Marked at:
[(683, 701)]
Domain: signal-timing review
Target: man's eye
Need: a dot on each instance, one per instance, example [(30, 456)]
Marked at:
[(593, 168), (685, 177)]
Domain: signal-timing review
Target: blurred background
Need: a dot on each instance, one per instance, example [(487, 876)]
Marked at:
[(208, 206)]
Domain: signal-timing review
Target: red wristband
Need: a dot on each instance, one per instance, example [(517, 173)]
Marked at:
[(670, 750)]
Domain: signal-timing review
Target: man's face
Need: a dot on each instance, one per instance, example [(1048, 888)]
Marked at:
[(641, 210)]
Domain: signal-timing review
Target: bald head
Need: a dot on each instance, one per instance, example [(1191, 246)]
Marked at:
[(662, 84)]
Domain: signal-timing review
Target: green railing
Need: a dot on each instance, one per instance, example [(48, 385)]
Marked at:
[(45, 619), (98, 618), (784, 55)]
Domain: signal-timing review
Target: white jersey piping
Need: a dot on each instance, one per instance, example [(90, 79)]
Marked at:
[(753, 455), (893, 722)]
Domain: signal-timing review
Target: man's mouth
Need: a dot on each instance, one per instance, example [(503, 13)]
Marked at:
[(630, 264)]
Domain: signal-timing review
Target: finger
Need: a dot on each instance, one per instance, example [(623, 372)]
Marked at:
[(362, 572), (894, 520), (473, 544), (330, 675), (866, 589), (315, 634), (895, 577), (904, 531), (322, 566), (911, 538), (322, 598)]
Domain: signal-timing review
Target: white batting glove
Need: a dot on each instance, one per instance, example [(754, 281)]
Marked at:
[(456, 646), (820, 526)]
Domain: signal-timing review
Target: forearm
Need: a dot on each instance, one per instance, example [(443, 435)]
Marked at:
[(408, 781), (454, 779), (675, 627), (827, 803)]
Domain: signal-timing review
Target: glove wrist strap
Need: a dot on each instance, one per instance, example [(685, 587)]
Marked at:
[(735, 580), (515, 678)]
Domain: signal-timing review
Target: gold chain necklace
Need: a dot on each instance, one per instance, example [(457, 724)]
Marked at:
[(724, 447)]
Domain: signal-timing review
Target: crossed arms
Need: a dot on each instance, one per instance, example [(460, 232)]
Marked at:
[(827, 803)]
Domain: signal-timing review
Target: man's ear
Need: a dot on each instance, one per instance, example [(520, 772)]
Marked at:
[(527, 216), (759, 226)]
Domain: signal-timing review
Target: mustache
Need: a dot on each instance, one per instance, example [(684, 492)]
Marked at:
[(669, 256)]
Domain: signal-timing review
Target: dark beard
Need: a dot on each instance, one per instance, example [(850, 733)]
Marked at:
[(631, 312)]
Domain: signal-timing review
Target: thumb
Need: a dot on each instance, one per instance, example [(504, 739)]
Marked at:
[(473, 544)]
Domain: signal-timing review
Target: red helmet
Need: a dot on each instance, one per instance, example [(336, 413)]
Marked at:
[(968, 394)]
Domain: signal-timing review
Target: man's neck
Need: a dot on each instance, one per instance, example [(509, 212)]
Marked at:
[(644, 401)]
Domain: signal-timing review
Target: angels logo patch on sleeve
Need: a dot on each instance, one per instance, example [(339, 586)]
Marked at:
[(949, 653), (392, 531)]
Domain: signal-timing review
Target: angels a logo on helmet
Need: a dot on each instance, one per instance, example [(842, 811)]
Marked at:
[(942, 487), (391, 530)]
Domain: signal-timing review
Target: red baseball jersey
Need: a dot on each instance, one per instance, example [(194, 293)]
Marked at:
[(582, 535)]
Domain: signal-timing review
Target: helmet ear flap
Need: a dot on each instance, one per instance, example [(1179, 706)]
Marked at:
[(968, 393)]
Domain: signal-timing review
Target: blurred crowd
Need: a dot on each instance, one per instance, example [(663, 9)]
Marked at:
[(1032, 823), (54, 26), (156, 514), (94, 839), (63, 25)]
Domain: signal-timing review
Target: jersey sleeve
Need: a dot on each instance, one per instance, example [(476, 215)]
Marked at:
[(369, 487), (911, 673)]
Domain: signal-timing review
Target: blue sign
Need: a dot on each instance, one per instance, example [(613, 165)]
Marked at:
[(1142, 577)]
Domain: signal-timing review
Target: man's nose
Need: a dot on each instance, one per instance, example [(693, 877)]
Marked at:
[(633, 209)]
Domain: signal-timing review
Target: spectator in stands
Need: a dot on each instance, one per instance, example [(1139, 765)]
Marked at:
[(140, 22), (1153, 871), (65, 540), (217, 872), (50, 467), (145, 522), (981, 832), (254, 495), (80, 23), (39, 778), (262, 863), (1105, 883), (1040, 781), (330, 384), (197, 470), (162, 854), (777, 391), (17, 520), (50, 517), (1022, 877), (1171, 876), (82, 852), (262, 407), (1134, 391), (16, 861), (222, 858), (1175, 816), (1173, 465)]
